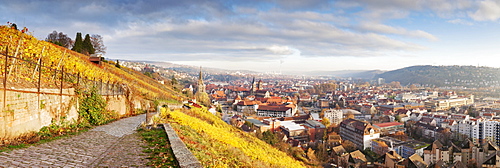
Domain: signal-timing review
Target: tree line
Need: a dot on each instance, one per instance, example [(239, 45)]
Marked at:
[(91, 44)]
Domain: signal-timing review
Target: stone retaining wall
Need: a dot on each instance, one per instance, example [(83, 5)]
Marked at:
[(185, 158), (27, 111)]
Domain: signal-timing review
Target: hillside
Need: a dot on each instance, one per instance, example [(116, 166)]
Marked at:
[(221, 144), (363, 74), (427, 75), (195, 70), (27, 52)]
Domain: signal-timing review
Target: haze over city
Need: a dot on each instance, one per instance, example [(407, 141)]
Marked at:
[(281, 35)]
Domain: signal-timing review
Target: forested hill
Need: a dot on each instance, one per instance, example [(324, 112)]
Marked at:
[(427, 75)]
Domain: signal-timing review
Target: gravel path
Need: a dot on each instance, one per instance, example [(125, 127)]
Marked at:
[(112, 145)]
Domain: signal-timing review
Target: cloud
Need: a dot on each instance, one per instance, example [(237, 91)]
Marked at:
[(301, 4), (488, 10), (397, 9), (228, 30), (280, 50), (264, 35), (460, 21), (386, 29)]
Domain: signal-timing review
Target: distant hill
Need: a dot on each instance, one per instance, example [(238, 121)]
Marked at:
[(363, 74), (195, 69), (468, 76)]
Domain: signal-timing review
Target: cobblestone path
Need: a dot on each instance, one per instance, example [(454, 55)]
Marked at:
[(112, 145)]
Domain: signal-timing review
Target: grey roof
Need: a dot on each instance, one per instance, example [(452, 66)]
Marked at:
[(256, 122), (314, 124)]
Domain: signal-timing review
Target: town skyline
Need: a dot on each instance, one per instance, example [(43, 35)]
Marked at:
[(277, 36)]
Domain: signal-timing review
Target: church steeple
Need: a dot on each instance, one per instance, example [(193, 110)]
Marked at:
[(253, 88), (200, 78), (259, 85), (201, 85)]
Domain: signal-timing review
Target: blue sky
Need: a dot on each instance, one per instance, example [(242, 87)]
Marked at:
[(278, 35)]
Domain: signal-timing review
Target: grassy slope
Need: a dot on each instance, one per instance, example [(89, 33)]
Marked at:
[(217, 144), (221, 145), (27, 47)]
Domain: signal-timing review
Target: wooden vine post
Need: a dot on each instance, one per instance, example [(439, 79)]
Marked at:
[(39, 60), (39, 74), (39, 87), (60, 95), (5, 79)]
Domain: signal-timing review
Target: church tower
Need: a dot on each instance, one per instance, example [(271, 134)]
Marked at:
[(201, 85), (253, 88), (259, 85)]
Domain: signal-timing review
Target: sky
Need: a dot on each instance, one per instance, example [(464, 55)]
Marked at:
[(277, 35)]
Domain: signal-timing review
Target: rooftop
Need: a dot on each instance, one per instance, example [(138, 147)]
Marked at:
[(273, 108), (388, 124), (314, 124), (290, 126), (256, 122)]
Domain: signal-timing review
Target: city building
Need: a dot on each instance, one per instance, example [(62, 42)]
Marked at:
[(390, 127), (410, 148), (439, 104), (396, 107), (359, 132), (315, 129), (293, 130), (274, 111), (492, 161), (402, 148), (468, 151), (247, 106), (480, 131), (379, 146), (392, 160), (335, 116)]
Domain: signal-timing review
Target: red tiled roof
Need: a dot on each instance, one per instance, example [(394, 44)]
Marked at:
[(238, 97), (247, 103), (273, 108), (274, 100), (458, 116), (451, 122), (388, 124), (440, 116)]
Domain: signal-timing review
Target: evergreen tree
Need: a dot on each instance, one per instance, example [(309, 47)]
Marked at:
[(14, 26), (118, 64), (174, 81), (78, 46), (270, 137), (87, 46)]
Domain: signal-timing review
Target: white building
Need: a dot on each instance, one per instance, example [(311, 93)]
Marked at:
[(463, 127), (447, 103), (359, 132), (335, 116), (292, 129), (480, 131)]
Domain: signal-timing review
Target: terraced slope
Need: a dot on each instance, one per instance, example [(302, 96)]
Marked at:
[(27, 52)]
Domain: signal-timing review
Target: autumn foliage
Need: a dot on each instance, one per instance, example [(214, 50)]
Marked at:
[(55, 58), (217, 144)]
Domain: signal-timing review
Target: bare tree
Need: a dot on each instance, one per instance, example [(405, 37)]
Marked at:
[(349, 146), (59, 39), (98, 43)]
